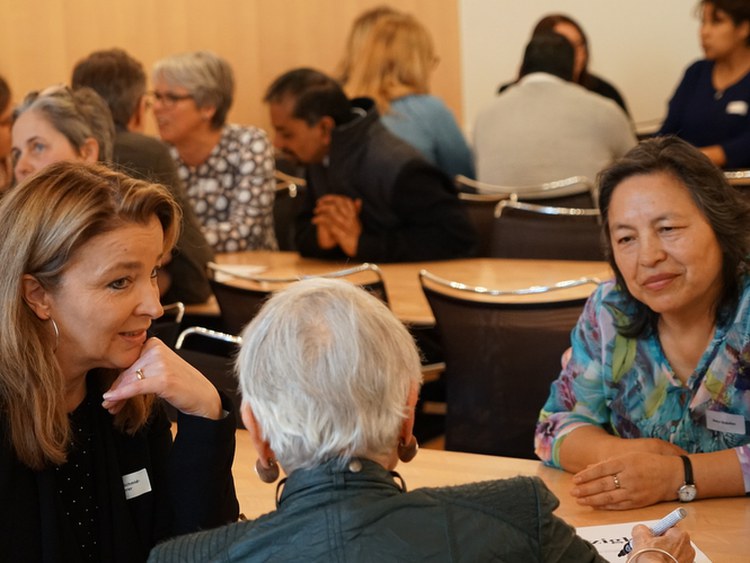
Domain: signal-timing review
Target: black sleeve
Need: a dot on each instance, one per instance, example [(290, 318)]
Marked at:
[(201, 486), (433, 224)]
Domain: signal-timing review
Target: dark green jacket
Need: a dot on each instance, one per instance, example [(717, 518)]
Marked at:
[(333, 513)]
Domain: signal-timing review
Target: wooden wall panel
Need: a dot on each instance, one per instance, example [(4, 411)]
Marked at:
[(40, 41)]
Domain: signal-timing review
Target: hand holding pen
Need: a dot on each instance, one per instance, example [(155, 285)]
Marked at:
[(673, 545), (659, 528)]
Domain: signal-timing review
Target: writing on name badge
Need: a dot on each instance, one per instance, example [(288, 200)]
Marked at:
[(725, 422), (136, 484)]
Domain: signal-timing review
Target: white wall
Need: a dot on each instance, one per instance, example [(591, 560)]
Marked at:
[(640, 46)]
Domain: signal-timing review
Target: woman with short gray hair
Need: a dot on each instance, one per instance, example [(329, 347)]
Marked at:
[(329, 382), (228, 169)]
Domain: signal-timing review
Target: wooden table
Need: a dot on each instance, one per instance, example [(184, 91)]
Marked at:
[(719, 527), (402, 283)]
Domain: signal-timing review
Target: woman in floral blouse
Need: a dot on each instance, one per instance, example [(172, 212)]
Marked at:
[(228, 170), (654, 404)]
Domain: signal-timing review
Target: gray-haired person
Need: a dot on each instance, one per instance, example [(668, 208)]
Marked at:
[(329, 381)]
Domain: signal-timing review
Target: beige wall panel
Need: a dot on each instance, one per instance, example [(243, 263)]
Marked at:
[(41, 40)]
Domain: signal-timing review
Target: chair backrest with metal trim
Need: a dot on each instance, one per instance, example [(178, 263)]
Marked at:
[(480, 209), (501, 358), (290, 193), (526, 230), (240, 297), (167, 327), (556, 192)]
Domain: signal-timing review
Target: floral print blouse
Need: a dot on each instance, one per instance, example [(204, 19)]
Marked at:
[(233, 191), (627, 386)]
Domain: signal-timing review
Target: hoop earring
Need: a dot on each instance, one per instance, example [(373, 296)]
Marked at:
[(267, 474), (406, 452), (57, 334)]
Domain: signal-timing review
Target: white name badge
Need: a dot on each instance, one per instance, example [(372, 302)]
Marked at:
[(737, 107), (725, 422), (136, 484)]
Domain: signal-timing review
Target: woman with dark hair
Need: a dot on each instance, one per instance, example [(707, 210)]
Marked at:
[(654, 402), (89, 470), (573, 32), (711, 106)]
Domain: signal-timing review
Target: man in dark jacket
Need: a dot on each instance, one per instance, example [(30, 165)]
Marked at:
[(370, 196), (121, 81)]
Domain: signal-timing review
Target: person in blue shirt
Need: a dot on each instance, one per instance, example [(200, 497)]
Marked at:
[(654, 403), (396, 60), (711, 106)]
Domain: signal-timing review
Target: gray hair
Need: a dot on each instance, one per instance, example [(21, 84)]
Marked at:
[(327, 370), (78, 115), (207, 77)]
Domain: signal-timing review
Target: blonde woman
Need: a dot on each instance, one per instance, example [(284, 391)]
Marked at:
[(88, 467), (394, 68)]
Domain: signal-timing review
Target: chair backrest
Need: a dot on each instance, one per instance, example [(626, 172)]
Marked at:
[(524, 230), (212, 353), (167, 327), (480, 209), (546, 192), (501, 358), (241, 298), (290, 193)]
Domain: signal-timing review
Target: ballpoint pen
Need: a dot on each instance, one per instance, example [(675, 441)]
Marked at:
[(659, 528)]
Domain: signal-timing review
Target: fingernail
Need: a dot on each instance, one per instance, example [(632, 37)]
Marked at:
[(107, 395)]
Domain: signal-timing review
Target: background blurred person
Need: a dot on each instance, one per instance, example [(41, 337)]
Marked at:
[(573, 32), (6, 121), (89, 470), (358, 33), (710, 107), (370, 195), (59, 124), (653, 403), (228, 169), (329, 380), (395, 62), (546, 128), (121, 81)]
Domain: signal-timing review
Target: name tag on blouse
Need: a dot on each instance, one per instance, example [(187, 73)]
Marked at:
[(737, 107), (725, 422), (136, 484)]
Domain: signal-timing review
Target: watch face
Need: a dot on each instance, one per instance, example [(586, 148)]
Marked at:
[(687, 493)]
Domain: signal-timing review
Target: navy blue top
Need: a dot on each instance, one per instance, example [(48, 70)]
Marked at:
[(704, 116)]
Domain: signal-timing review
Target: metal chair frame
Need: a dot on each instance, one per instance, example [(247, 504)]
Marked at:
[(533, 190), (530, 290), (545, 209)]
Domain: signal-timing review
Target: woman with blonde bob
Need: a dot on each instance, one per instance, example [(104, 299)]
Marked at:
[(329, 381), (88, 468), (394, 67)]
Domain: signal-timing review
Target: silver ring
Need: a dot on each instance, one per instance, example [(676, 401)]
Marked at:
[(616, 480), (141, 376)]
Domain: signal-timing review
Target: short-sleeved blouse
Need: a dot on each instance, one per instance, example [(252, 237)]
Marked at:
[(627, 386), (233, 190)]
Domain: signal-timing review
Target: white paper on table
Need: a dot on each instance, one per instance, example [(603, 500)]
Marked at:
[(225, 272), (610, 539)]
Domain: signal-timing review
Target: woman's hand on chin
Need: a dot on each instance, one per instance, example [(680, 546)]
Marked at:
[(160, 371)]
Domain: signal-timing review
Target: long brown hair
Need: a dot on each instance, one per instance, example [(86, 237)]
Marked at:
[(44, 221)]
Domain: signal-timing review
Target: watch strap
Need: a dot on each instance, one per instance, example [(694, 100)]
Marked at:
[(688, 470)]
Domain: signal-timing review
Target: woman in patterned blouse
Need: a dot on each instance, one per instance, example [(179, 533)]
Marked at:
[(660, 368), (228, 169)]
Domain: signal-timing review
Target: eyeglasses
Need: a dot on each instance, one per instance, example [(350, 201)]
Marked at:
[(169, 99)]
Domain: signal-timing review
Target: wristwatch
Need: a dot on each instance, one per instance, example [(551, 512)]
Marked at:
[(688, 491)]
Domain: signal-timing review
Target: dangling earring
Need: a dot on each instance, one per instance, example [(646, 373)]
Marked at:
[(267, 474), (57, 334), (406, 452)]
